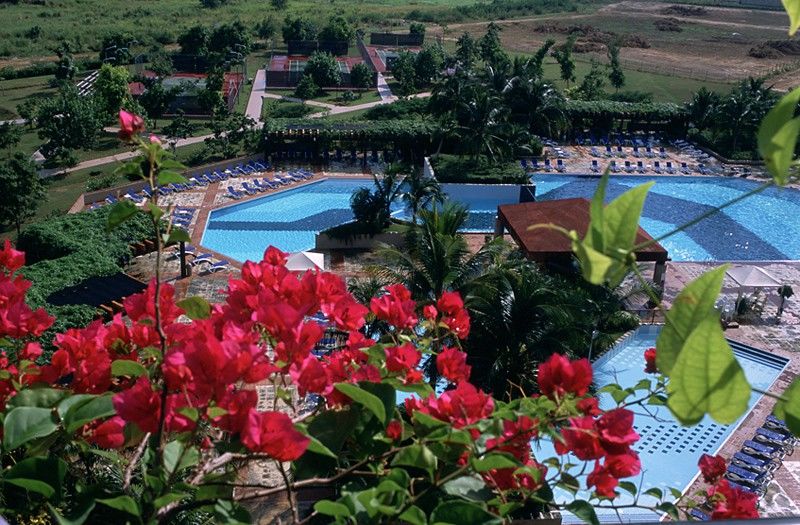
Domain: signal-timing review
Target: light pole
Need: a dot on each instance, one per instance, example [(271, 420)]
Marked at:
[(595, 333)]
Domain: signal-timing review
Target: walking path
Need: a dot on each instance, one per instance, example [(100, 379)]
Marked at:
[(384, 90), (16, 122), (256, 93)]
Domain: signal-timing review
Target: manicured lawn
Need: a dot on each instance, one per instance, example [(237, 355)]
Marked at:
[(15, 92), (333, 97)]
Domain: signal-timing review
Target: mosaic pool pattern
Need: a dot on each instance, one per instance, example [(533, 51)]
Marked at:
[(288, 220), (761, 227), (669, 451)]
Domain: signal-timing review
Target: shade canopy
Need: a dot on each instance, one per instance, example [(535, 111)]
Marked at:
[(549, 246), (752, 277), (302, 261)]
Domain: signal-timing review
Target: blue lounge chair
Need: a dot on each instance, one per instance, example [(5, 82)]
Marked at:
[(657, 167), (621, 152), (609, 153), (770, 436), (595, 167), (135, 198), (670, 169), (547, 166), (649, 152), (774, 422), (218, 266), (250, 189), (560, 166), (699, 515), (741, 475), (754, 463), (758, 490), (234, 194), (640, 166), (263, 185), (662, 152), (110, 199), (765, 449), (636, 152), (536, 166), (595, 152), (523, 164), (628, 167), (202, 258), (685, 169), (614, 167)]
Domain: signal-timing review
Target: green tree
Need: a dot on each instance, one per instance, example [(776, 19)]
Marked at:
[(266, 28), (111, 91), (231, 135), (213, 4), (338, 28), (743, 110), (21, 191), (466, 50), (428, 64), (68, 122), (535, 66), (180, 127), (361, 77), (115, 48), (279, 4), (298, 28), (491, 48), (306, 89), (160, 62), (416, 28), (10, 135), (194, 41), (404, 71), (156, 100), (233, 36), (592, 85), (615, 74), (563, 56), (537, 105), (65, 67), (481, 121), (28, 110), (210, 98), (420, 192), (703, 108), (323, 68)]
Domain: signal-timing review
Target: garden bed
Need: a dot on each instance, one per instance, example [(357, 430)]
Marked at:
[(454, 168)]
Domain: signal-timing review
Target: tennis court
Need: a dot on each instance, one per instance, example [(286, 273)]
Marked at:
[(300, 65)]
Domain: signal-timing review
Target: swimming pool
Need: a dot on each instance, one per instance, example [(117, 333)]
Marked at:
[(288, 220), (762, 227), (668, 451)]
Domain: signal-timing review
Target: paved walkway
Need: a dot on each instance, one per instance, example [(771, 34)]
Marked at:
[(338, 110), (16, 122), (317, 103), (256, 93), (384, 90)]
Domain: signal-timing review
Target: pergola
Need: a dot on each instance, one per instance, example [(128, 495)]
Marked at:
[(552, 248)]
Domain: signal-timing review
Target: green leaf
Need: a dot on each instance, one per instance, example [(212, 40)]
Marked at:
[(418, 456), (122, 503), (425, 424), (692, 305), (126, 367), (22, 424), (369, 401), (569, 483), (414, 515), (793, 9), (789, 410), (177, 235), (332, 508), (628, 487), (468, 487), (177, 458), (195, 308), (596, 267), (777, 136), (316, 446), (584, 510), (172, 164), (494, 460), (654, 492), (670, 509), (707, 378), (457, 512), (37, 397), (166, 499), (621, 219), (41, 475), (120, 212), (89, 410), (170, 177), (78, 516)]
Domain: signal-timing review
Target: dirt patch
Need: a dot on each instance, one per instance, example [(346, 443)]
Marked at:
[(776, 49), (685, 10), (590, 38), (668, 24)]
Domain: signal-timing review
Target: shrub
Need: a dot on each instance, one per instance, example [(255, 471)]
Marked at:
[(455, 168), (620, 321), (306, 88)]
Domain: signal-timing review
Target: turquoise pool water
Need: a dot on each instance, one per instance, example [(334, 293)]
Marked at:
[(668, 451), (288, 220), (761, 227)]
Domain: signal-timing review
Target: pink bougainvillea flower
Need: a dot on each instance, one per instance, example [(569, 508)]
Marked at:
[(394, 430), (129, 124), (712, 467), (650, 361), (273, 433), (452, 364), (395, 307), (559, 376)]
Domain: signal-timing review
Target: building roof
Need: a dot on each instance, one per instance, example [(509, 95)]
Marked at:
[(97, 291), (544, 245), (136, 88)]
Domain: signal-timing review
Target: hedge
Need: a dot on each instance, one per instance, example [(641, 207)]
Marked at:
[(65, 251), (406, 129), (638, 111), (455, 168)]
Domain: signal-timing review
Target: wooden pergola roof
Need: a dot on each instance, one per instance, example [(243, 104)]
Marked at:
[(544, 245)]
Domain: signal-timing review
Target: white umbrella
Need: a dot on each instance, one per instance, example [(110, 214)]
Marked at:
[(752, 277), (301, 261)]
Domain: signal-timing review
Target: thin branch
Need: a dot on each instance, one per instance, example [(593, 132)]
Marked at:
[(134, 460)]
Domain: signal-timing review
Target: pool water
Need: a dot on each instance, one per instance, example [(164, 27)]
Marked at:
[(669, 452), (288, 220), (761, 227)]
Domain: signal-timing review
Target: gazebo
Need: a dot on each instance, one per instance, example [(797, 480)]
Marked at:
[(552, 248), (751, 278)]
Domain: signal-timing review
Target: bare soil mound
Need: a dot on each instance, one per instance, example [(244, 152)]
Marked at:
[(668, 24), (591, 39), (776, 49), (685, 10)]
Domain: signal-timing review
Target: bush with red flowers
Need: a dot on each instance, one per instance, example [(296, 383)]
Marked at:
[(152, 416)]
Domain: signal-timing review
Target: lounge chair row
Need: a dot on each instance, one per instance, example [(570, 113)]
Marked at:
[(255, 186), (640, 167), (617, 139), (620, 152), (198, 260), (547, 166), (752, 468)]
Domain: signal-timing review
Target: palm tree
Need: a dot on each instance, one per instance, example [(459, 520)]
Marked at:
[(420, 192), (480, 120), (435, 257), (703, 107), (535, 104)]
